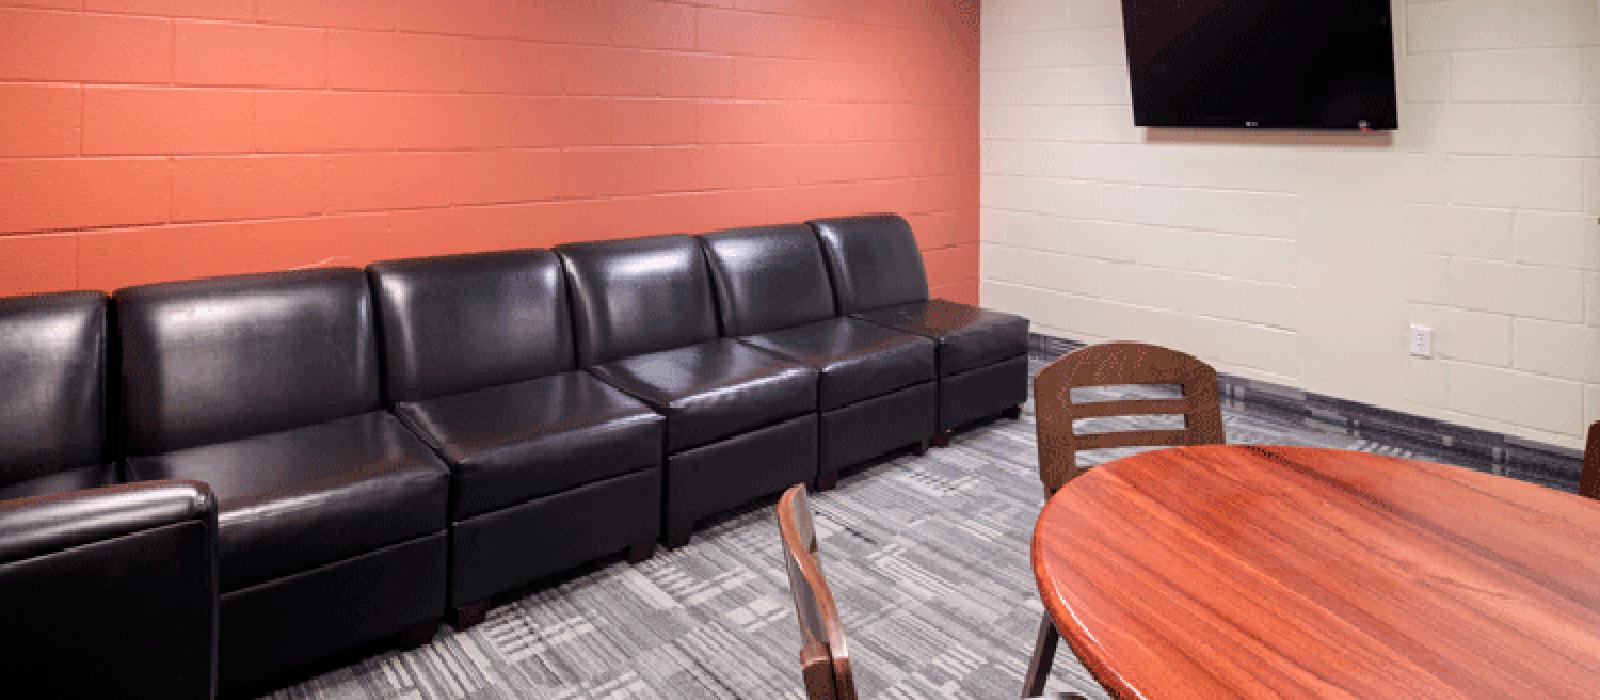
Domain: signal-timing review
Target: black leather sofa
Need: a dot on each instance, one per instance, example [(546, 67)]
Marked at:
[(741, 421), (876, 388), (878, 276), (53, 431), (322, 459), (331, 513), (550, 466), (106, 590)]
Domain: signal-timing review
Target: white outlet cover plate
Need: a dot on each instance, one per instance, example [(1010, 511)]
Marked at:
[(1419, 341)]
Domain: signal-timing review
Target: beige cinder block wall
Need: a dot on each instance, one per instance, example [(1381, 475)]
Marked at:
[(1301, 257)]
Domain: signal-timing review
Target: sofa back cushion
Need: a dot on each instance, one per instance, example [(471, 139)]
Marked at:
[(456, 323), (874, 260), (52, 383), (225, 358), (768, 277), (638, 295)]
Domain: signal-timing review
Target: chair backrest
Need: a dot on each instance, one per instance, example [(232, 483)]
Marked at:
[(638, 295), (1120, 363), (225, 358), (768, 278), (824, 660), (456, 323), (1590, 482), (874, 260), (52, 383)]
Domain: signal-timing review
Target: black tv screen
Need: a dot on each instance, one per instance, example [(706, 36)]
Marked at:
[(1304, 64)]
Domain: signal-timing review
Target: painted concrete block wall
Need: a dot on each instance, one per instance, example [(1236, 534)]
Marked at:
[(149, 140), (1301, 257)]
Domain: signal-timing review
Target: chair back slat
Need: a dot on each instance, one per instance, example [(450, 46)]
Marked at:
[(1128, 407), (1131, 438), (1112, 364), (1589, 485), (824, 659)]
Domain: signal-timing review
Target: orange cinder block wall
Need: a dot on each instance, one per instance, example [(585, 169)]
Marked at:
[(151, 140)]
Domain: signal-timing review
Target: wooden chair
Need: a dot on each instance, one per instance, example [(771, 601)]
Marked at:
[(824, 661), (1589, 484), (1116, 363)]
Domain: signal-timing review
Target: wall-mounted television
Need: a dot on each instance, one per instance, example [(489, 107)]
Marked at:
[(1293, 64)]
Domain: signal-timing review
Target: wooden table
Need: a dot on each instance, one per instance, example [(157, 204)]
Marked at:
[(1257, 571)]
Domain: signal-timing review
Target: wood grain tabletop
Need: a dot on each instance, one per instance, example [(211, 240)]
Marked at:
[(1288, 572)]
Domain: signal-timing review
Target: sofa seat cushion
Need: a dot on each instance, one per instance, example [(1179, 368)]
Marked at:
[(91, 477), (714, 389), (297, 499), (968, 336), (858, 360), (509, 443)]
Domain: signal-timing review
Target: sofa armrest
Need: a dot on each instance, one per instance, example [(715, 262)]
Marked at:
[(41, 524), (111, 592)]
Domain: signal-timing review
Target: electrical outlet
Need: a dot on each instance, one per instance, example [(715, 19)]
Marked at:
[(1419, 341)]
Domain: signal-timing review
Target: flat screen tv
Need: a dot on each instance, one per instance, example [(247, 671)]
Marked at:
[(1293, 64)]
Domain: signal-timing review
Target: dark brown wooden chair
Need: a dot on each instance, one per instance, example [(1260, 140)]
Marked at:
[(1120, 363), (1589, 483), (824, 661), (1111, 364)]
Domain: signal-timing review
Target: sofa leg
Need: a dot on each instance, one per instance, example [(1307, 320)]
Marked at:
[(941, 438), (678, 535), (470, 614), (827, 482), (1014, 413), (920, 448), (641, 551), (417, 635)]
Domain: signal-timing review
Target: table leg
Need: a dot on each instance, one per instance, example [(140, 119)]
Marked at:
[(1044, 656)]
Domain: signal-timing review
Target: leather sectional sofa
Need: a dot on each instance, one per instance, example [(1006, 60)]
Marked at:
[(875, 390), (106, 590), (741, 421), (982, 355), (311, 461), (331, 524), (550, 466)]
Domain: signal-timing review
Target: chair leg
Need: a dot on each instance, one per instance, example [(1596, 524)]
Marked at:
[(641, 551), (470, 614), (1044, 655), (1014, 413), (941, 438)]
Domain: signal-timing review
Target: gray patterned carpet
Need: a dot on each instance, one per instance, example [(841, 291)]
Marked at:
[(928, 558)]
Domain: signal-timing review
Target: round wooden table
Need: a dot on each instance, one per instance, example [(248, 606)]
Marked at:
[(1286, 572)]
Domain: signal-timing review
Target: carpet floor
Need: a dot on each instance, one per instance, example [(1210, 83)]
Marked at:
[(927, 557)]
